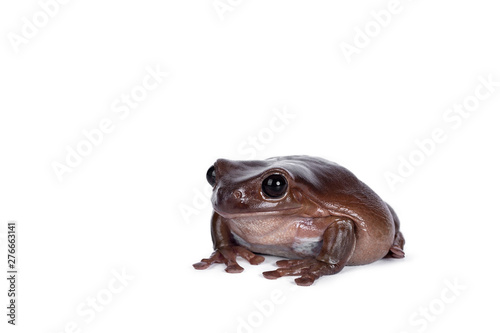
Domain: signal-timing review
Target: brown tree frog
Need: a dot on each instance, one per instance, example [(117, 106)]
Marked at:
[(312, 211)]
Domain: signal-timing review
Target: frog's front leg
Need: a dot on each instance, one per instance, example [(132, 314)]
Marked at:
[(226, 250), (338, 245)]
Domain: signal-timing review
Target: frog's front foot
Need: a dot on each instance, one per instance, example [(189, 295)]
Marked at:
[(308, 269), (227, 255)]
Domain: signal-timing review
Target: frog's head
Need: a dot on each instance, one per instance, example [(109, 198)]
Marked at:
[(268, 187)]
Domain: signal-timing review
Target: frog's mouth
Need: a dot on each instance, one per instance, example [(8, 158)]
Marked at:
[(255, 213)]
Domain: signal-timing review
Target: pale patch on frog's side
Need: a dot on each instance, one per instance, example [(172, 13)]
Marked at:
[(307, 246)]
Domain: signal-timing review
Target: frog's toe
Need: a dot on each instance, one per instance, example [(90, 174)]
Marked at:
[(234, 268), (227, 255), (272, 275), (215, 258), (309, 270), (249, 256), (201, 265), (289, 263), (288, 268), (305, 280)]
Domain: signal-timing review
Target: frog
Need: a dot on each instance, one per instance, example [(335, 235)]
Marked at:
[(314, 213)]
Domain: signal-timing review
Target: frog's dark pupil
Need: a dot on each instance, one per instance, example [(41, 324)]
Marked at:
[(211, 175), (274, 186)]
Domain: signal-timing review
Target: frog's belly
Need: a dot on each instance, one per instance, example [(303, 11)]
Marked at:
[(289, 237), (300, 248)]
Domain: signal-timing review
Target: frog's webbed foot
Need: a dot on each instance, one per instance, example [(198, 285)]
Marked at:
[(309, 270), (227, 255)]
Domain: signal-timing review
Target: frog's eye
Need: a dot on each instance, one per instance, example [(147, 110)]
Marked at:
[(274, 186), (211, 175)]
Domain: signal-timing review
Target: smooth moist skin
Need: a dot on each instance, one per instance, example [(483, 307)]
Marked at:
[(312, 211)]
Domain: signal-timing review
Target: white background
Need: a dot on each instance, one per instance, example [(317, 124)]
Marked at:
[(120, 208)]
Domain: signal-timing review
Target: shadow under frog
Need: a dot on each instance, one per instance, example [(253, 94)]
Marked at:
[(312, 211)]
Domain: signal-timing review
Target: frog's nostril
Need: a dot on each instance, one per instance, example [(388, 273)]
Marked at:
[(237, 194)]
